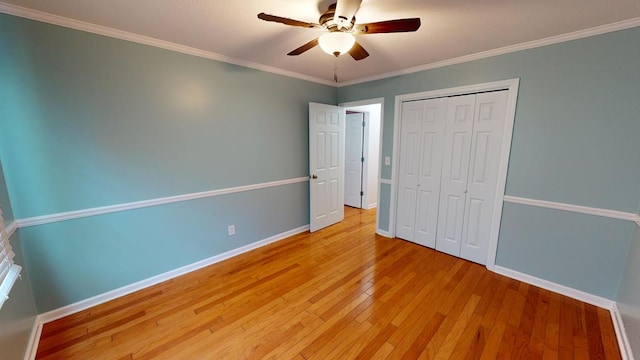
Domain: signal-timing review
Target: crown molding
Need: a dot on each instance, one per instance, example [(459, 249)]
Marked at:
[(146, 40), (580, 34), (123, 35)]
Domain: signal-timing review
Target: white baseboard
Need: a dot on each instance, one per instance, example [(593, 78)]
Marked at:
[(560, 289), (128, 289), (621, 334), (34, 339), (383, 233)]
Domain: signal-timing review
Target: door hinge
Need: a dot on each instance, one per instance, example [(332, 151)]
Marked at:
[(362, 159), (363, 125), (361, 193)]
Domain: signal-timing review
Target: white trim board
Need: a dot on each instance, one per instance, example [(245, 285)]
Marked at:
[(128, 289), (573, 208), (146, 40), (557, 288), (39, 220), (11, 228), (34, 339), (621, 334)]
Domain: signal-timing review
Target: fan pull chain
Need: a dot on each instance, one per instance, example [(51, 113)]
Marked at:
[(335, 69)]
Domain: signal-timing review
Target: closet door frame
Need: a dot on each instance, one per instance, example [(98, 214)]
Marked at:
[(511, 86)]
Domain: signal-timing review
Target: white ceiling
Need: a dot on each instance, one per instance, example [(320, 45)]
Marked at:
[(450, 28)]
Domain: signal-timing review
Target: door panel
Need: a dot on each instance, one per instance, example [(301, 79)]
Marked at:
[(455, 168), (483, 178), (409, 167), (422, 135), (326, 164), (434, 115)]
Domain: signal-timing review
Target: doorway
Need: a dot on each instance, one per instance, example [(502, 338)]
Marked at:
[(362, 154)]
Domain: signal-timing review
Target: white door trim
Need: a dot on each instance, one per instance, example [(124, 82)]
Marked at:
[(511, 86)]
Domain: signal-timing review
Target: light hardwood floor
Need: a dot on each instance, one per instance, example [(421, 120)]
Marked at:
[(340, 293)]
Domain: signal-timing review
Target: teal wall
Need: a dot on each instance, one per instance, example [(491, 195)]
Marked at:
[(575, 141), (584, 247), (89, 121), (629, 295)]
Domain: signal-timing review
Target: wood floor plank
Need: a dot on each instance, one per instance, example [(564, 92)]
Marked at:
[(339, 293), (580, 339), (608, 335), (552, 333), (536, 344)]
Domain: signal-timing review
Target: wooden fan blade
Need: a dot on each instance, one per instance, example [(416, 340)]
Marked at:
[(304, 48), (287, 21), (389, 26), (358, 52)]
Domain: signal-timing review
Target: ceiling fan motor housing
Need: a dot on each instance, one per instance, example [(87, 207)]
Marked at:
[(327, 20)]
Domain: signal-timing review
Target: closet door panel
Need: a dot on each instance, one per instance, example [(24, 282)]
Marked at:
[(409, 167), (486, 145), (455, 170), (434, 114)]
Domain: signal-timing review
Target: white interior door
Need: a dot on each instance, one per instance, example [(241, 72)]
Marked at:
[(486, 145), (455, 167), (353, 159), (326, 164)]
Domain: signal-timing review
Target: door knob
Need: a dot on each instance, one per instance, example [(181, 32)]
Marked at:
[(314, 176)]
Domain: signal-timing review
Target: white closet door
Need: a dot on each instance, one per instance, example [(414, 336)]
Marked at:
[(455, 167), (409, 166), (434, 114), (490, 112)]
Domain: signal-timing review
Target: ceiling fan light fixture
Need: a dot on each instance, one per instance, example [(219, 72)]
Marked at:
[(336, 42)]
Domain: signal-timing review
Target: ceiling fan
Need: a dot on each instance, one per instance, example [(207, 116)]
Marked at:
[(340, 26)]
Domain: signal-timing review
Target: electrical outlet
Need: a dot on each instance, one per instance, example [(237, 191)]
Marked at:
[(232, 230), (387, 160)]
